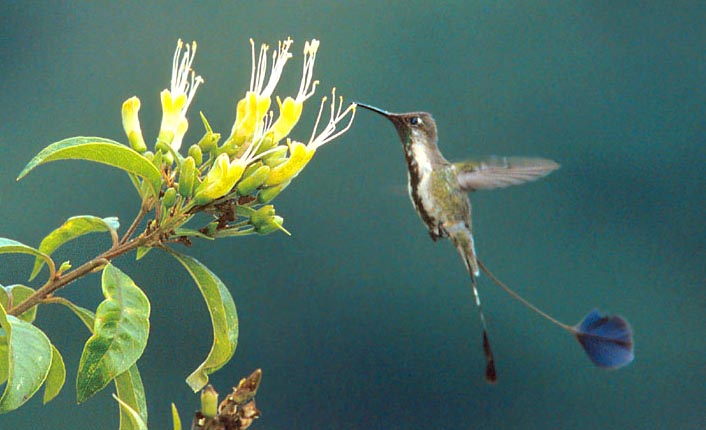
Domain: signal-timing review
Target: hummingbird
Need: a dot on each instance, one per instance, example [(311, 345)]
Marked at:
[(439, 192)]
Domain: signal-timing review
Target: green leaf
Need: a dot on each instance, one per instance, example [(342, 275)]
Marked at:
[(56, 376), (88, 317), (141, 252), (100, 150), (9, 246), (73, 228), (18, 293), (136, 421), (130, 389), (26, 363), (119, 334), (223, 317), (175, 418), (4, 359)]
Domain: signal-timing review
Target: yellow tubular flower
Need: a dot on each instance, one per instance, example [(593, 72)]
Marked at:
[(131, 124), (253, 107), (179, 133), (299, 154), (225, 174), (176, 100), (291, 109), (298, 159), (212, 186)]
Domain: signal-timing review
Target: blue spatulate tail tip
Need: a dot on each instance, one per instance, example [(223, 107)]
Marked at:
[(606, 339)]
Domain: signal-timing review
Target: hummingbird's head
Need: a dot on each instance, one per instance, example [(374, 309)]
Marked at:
[(412, 127)]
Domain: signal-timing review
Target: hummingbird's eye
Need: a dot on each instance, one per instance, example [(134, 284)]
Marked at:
[(415, 120)]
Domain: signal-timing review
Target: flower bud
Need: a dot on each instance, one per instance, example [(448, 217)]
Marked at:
[(196, 153), (209, 141), (252, 181), (266, 195), (266, 143), (261, 215), (276, 157), (219, 180), (187, 176), (251, 168), (169, 197), (209, 402), (273, 224), (265, 221)]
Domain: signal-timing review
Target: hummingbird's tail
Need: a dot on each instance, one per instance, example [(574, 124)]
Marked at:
[(490, 373), (607, 340), (462, 238), (460, 234)]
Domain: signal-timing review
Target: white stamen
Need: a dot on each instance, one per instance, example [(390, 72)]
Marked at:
[(304, 93), (261, 69), (279, 59), (175, 62), (252, 70), (329, 132)]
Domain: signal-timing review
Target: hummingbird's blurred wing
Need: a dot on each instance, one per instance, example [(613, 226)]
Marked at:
[(501, 172)]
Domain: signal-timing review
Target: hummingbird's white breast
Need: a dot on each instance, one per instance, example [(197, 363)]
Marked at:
[(419, 186)]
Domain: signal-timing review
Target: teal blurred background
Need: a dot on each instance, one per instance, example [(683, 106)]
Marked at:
[(358, 320)]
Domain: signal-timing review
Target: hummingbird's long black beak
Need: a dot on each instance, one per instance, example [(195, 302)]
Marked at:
[(374, 109)]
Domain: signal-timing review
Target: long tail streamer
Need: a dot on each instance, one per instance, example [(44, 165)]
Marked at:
[(607, 340)]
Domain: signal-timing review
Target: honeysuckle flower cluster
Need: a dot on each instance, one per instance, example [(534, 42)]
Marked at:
[(236, 180)]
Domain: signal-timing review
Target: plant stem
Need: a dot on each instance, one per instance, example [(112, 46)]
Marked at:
[(148, 238), (63, 280), (135, 223)]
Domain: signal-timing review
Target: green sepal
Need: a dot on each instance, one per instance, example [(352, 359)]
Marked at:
[(56, 376), (17, 294), (100, 150), (72, 228), (119, 334), (25, 360), (209, 141), (224, 319)]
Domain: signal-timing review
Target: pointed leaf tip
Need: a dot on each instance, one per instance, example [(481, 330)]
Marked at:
[(606, 339), (100, 150)]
